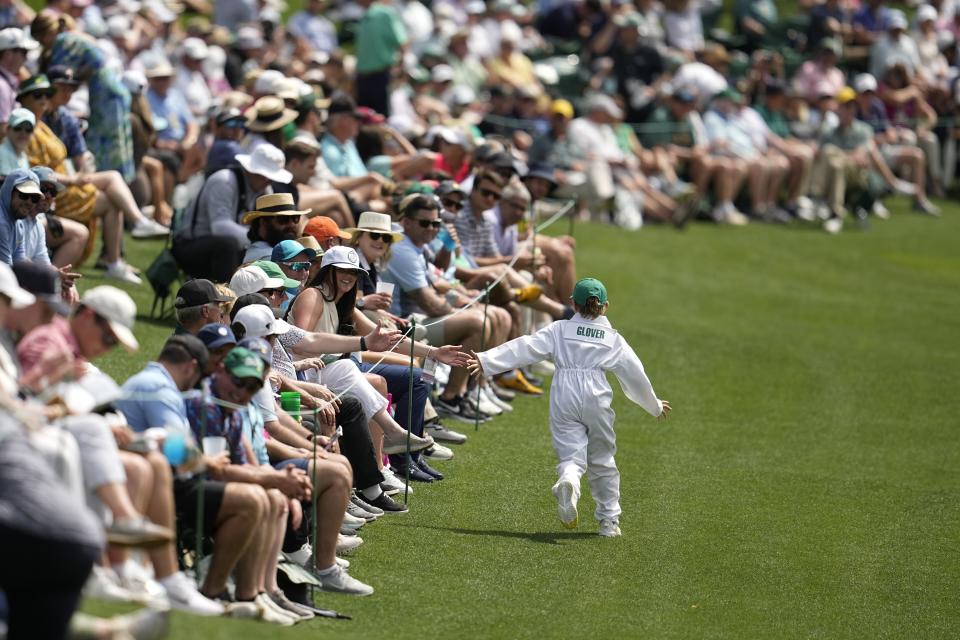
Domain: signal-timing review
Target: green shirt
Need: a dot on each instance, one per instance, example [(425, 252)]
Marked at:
[(661, 129), (775, 120), (856, 136), (380, 34)]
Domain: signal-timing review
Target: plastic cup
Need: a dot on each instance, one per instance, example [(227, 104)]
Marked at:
[(290, 402), (385, 287), (214, 445)]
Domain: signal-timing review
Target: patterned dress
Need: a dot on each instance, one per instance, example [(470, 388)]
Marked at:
[(109, 136)]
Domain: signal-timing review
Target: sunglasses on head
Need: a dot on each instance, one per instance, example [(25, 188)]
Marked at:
[(247, 384), (32, 197), (451, 204), (490, 193), (297, 266), (386, 237), (106, 333), (426, 224), (24, 128)]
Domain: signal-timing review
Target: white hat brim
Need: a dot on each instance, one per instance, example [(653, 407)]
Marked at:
[(125, 336), (277, 175)]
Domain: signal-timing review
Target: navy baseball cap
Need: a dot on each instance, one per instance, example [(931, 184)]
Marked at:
[(259, 347), (216, 335)]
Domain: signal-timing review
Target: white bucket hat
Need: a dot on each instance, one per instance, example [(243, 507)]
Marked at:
[(267, 161), (373, 222)]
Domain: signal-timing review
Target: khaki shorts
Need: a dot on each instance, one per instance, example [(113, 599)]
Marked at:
[(434, 328)]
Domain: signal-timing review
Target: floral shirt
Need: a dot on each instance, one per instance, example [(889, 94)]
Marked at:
[(219, 422)]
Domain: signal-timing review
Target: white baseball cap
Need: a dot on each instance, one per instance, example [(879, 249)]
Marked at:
[(258, 321), (19, 297), (442, 73), (267, 161), (15, 38), (252, 279), (134, 80), (864, 82), (926, 12), (342, 258), (117, 308)]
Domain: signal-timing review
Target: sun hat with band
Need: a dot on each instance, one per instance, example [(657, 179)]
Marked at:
[(272, 205), (372, 222), (269, 113), (39, 82), (258, 321), (342, 258), (309, 242), (322, 227), (589, 288), (118, 309), (267, 161)]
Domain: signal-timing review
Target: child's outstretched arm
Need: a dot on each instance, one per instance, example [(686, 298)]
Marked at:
[(519, 352), (635, 383)]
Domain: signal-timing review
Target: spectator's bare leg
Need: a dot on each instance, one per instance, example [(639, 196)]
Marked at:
[(68, 248), (463, 329), (240, 513), (163, 212), (118, 193), (331, 494), (160, 510), (249, 571), (112, 226), (273, 530), (326, 202)]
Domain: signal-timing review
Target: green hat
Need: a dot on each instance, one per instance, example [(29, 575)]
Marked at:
[(244, 363), (273, 270), (418, 187), (589, 288), (38, 82)]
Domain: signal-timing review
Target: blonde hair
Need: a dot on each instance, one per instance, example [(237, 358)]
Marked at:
[(355, 243), (226, 292), (48, 23)]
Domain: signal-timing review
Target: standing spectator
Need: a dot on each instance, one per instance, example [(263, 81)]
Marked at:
[(381, 41)]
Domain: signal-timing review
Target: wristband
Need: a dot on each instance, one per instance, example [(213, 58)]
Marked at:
[(363, 343)]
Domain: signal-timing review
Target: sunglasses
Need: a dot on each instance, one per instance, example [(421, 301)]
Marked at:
[(426, 224), (273, 292), (23, 128), (284, 221), (49, 192), (44, 94), (490, 193), (251, 385), (452, 205), (296, 266), (106, 333), (32, 197), (386, 237)]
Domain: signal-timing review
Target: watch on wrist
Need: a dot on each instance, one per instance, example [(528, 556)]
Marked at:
[(360, 303)]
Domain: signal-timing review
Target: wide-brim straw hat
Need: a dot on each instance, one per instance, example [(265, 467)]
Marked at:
[(373, 222), (269, 114), (274, 204)]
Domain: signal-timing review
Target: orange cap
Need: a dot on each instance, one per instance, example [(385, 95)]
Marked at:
[(322, 227)]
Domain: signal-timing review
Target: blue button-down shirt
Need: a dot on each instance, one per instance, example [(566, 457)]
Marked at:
[(342, 159), (155, 400)]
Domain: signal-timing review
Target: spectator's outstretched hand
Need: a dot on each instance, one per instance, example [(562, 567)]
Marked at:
[(381, 339), (451, 355)]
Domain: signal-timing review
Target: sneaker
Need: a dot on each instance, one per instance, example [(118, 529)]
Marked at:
[(528, 293), (469, 413), (438, 452), (880, 210), (366, 506), (388, 505), (427, 469), (392, 483), (777, 215), (394, 443), (353, 521), (104, 584), (482, 403), (610, 529), (121, 271), (346, 544), (735, 218), (458, 410), (136, 579), (359, 512), (517, 382), (904, 188), (339, 581), (269, 612), (138, 532), (441, 434), (925, 206), (490, 397), (280, 599), (241, 610), (343, 563), (566, 494), (833, 225), (149, 229), (503, 393), (146, 624), (183, 595)]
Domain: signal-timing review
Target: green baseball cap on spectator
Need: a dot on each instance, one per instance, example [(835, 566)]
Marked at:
[(273, 270), (589, 288), (243, 363)]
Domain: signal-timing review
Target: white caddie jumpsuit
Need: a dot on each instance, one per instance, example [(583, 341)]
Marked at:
[(581, 418)]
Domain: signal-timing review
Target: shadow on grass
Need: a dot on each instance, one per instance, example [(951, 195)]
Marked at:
[(544, 537)]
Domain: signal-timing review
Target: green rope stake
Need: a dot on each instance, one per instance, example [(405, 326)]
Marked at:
[(413, 343), (313, 501), (483, 335), (198, 542)]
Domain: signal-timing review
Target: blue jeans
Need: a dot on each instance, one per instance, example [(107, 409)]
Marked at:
[(398, 384)]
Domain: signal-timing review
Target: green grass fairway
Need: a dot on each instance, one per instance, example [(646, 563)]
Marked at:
[(807, 484)]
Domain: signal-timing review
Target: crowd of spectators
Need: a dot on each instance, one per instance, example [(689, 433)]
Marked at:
[(339, 189)]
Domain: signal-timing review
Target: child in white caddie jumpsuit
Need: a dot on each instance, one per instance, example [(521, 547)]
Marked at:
[(583, 349)]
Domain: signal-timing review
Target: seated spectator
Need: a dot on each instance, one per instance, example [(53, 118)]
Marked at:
[(169, 106), (339, 151), (303, 163), (820, 76), (894, 47), (274, 219), (326, 232), (230, 127), (196, 305), (13, 149), (830, 19), (265, 122), (190, 81), (311, 26)]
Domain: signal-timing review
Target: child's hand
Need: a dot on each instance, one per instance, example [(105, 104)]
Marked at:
[(474, 366), (666, 410)]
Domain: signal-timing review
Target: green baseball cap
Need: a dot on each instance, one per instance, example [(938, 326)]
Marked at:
[(244, 363), (272, 269), (589, 288)]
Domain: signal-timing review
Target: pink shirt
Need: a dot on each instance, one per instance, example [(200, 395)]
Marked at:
[(813, 81), (55, 337)]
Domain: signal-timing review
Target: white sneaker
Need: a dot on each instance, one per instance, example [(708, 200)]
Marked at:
[(104, 584), (904, 188), (488, 395), (392, 482), (272, 613), (136, 579), (348, 543), (149, 229), (736, 218), (358, 512), (121, 271), (609, 529), (339, 581), (880, 210), (242, 610), (484, 405), (833, 225), (566, 494), (352, 521), (183, 595), (439, 452)]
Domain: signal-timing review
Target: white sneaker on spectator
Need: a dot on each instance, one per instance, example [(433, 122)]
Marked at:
[(149, 229), (343, 563), (880, 210), (357, 511), (395, 443), (391, 482), (346, 544), (183, 595), (439, 452), (280, 599), (610, 529), (904, 188), (339, 581), (242, 610), (136, 579), (272, 613), (121, 271), (104, 584), (484, 407), (833, 225), (353, 521), (488, 395)]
